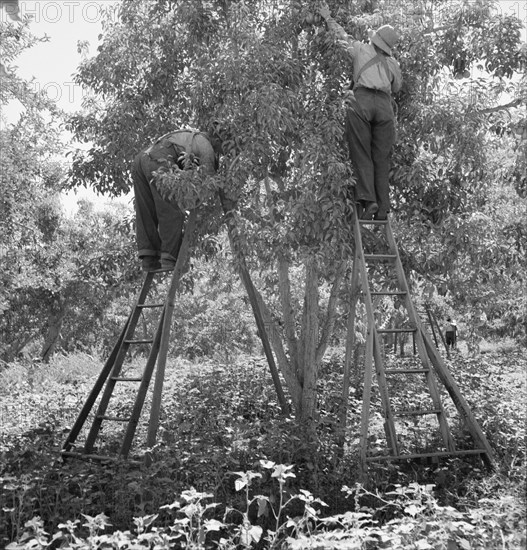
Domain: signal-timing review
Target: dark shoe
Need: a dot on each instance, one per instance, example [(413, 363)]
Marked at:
[(370, 208), (150, 263), (167, 264), (382, 212)]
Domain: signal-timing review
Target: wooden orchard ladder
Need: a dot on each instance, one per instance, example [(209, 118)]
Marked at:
[(111, 374), (376, 253)]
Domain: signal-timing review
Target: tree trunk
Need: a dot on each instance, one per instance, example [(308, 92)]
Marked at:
[(309, 344), (301, 362)]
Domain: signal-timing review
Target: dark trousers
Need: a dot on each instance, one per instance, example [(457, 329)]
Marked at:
[(159, 224), (370, 133)]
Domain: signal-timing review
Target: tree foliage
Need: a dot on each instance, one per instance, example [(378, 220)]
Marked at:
[(59, 275), (272, 86), (29, 219)]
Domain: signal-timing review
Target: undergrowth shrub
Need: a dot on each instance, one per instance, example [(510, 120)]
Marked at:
[(217, 420), (417, 522)]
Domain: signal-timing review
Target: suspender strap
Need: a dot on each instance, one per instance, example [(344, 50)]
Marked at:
[(378, 58), (182, 131)]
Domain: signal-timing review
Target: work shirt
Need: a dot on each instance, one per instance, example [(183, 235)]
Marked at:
[(194, 142), (374, 77)]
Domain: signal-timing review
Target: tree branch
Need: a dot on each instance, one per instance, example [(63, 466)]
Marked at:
[(287, 310), (288, 371), (514, 103), (331, 312), (284, 286)]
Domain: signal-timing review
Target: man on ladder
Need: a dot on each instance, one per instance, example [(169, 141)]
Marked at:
[(370, 127), (160, 222), (370, 134), (164, 234)]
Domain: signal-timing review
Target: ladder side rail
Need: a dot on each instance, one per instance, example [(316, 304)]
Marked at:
[(459, 401), (432, 326), (380, 370), (440, 333), (389, 426), (419, 340), (350, 344), (94, 393), (142, 390), (430, 380), (255, 304), (262, 331), (366, 398), (118, 363), (403, 284), (155, 409), (441, 416), (372, 335)]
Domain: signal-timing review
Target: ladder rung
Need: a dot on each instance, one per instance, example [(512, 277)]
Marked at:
[(380, 257), (395, 330), (124, 379), (388, 293), (113, 418), (406, 371), (427, 455), (144, 306), (149, 341), (417, 413)]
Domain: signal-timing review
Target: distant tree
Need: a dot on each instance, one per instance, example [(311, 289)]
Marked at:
[(14, 39), (59, 275), (53, 270), (29, 182), (29, 216), (96, 273), (273, 85)]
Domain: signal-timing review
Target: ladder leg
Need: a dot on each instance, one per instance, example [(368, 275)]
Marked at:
[(459, 401), (142, 390), (92, 397), (389, 426), (255, 305), (153, 424), (441, 417), (366, 399), (373, 354), (350, 346), (430, 359), (117, 365), (431, 383), (418, 342), (432, 326)]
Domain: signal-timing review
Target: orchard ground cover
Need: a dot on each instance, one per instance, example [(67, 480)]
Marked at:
[(231, 472)]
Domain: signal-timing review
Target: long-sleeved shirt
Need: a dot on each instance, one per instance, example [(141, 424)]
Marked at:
[(196, 143), (375, 77)]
